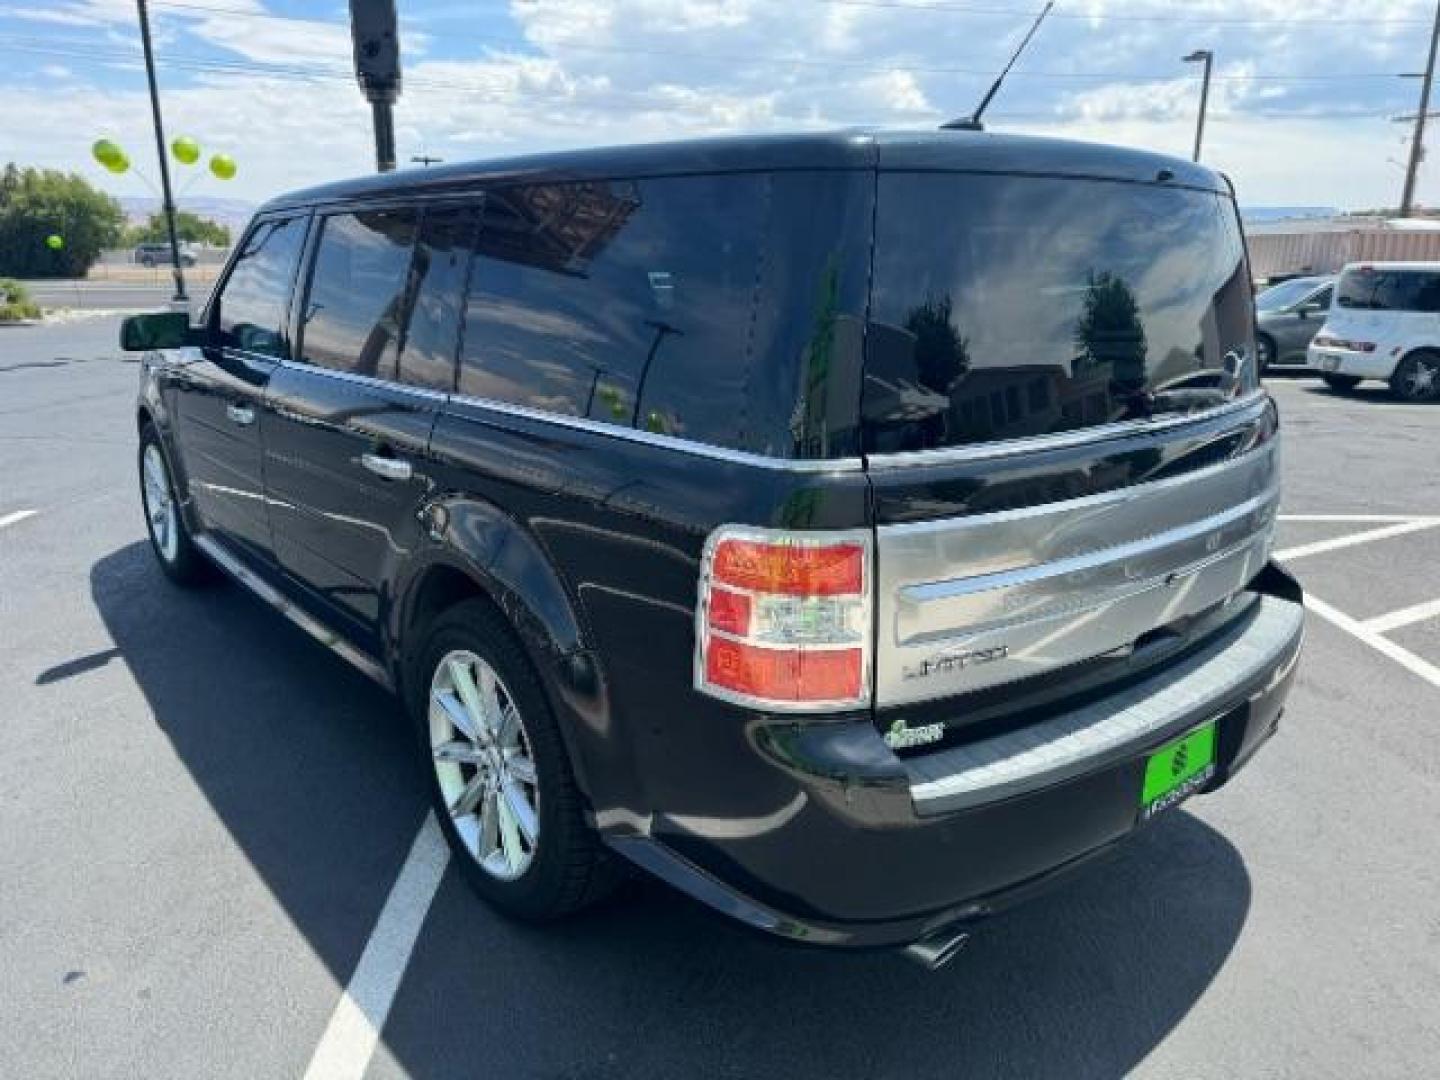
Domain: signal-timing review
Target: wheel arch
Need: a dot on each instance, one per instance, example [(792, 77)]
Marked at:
[(476, 551)]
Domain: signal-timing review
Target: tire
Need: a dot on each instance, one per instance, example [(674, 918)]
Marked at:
[(557, 865), (1417, 377), (1264, 353), (170, 540), (1341, 384)]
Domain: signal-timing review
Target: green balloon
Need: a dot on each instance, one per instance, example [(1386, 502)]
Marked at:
[(54, 241), (118, 165), (223, 166), (186, 150), (107, 153)]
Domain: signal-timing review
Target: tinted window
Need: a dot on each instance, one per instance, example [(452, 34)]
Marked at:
[(1007, 307), (359, 288), (252, 305), (1322, 298), (1389, 290), (722, 309), (442, 261)]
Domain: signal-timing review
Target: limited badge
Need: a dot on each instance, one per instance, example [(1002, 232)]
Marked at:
[(901, 736)]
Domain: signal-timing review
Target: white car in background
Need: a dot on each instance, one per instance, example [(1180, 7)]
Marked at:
[(1384, 323)]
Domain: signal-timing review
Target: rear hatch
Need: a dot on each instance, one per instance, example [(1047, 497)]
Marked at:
[(1070, 457)]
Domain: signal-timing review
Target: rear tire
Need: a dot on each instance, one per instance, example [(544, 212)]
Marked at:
[(1264, 353), (164, 523), (1417, 377), (498, 773), (1341, 384)]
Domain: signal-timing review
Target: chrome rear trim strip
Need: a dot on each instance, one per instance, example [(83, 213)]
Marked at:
[(1114, 727), (1253, 403), (312, 626)]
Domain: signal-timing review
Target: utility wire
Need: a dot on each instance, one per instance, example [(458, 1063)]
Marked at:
[(796, 61), (1201, 20)]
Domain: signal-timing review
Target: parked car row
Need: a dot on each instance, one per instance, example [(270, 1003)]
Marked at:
[(1374, 321)]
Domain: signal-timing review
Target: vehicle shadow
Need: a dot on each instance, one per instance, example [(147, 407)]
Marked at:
[(308, 766)]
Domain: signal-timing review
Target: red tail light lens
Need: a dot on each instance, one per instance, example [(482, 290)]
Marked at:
[(784, 619)]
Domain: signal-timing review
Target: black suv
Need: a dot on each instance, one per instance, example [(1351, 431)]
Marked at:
[(855, 530)]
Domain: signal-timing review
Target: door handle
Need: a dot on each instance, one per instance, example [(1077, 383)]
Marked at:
[(240, 414), (390, 468)]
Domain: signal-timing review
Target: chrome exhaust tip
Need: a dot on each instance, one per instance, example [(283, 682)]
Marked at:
[(937, 948)]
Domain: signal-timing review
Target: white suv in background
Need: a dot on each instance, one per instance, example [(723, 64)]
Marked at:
[(1384, 323)]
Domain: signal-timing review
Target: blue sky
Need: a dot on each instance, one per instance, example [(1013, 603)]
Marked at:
[(1300, 111)]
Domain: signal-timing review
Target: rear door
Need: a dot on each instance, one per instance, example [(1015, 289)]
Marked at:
[(348, 422), (1062, 422), (218, 394)]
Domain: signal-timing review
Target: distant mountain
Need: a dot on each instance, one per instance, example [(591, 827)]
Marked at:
[(1287, 213), (232, 213)]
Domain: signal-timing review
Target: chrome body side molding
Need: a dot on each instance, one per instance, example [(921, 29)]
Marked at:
[(217, 554)]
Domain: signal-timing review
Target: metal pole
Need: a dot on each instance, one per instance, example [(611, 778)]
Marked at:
[(384, 136), (1204, 103), (169, 199), (1417, 144)]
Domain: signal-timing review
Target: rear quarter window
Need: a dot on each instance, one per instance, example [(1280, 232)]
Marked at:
[(721, 309)]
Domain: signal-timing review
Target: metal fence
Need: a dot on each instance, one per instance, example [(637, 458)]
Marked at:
[(1276, 254)]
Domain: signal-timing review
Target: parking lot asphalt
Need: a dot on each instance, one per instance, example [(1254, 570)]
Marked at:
[(203, 815)]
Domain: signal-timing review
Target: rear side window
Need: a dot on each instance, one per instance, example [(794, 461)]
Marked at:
[(1007, 307), (702, 307), (251, 307), (359, 290), (1374, 289)]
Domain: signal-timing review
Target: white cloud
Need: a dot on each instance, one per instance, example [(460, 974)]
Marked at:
[(634, 70)]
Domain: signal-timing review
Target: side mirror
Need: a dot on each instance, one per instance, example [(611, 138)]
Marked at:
[(1306, 310), (158, 330)]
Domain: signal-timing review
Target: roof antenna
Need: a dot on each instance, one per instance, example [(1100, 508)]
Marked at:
[(972, 122)]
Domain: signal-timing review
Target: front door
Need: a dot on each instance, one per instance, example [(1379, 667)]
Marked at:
[(218, 391), (347, 424)]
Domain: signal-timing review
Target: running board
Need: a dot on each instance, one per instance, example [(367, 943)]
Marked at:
[(303, 619)]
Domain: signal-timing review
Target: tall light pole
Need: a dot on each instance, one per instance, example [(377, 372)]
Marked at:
[(1207, 57), (1417, 144), (169, 199)]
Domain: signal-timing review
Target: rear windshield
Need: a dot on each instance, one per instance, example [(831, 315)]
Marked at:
[(1374, 289), (1007, 307)]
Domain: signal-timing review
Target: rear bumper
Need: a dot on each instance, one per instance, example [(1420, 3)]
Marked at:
[(855, 847), (1376, 365)]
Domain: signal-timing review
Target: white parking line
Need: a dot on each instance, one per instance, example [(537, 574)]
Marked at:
[(1351, 539), (1383, 624), (16, 516), (1404, 657), (349, 1041), (1358, 518)]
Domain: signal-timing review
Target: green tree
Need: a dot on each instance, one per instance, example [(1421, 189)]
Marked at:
[(1110, 330), (188, 226), (38, 203)]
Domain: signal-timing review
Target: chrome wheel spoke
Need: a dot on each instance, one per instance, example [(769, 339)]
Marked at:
[(474, 723), (521, 768), (458, 752), (509, 835), (507, 726), (521, 811), (455, 712), (490, 701), (469, 798), (489, 825)]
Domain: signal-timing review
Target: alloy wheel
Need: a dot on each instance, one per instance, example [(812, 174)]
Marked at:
[(484, 764), (160, 503), (1421, 379)]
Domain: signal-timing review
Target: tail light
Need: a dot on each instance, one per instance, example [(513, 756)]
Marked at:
[(784, 619), (1325, 341)]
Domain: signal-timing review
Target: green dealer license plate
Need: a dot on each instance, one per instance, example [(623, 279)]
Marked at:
[(1177, 771)]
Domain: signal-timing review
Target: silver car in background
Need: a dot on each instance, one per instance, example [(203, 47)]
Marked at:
[(1288, 316)]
